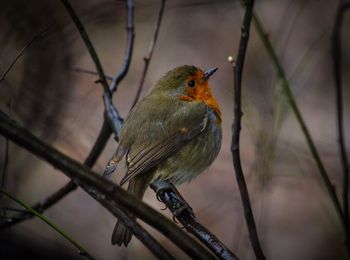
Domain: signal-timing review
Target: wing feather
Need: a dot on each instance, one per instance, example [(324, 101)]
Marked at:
[(142, 158), (155, 153), (161, 134)]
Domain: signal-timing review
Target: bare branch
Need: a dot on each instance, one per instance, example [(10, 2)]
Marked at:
[(88, 45), (182, 211), (36, 37), (337, 71), (5, 164), (91, 72), (97, 186), (111, 112), (120, 212), (130, 45), (236, 128), (147, 59), (111, 116)]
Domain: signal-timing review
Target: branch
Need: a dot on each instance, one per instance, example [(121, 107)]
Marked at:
[(99, 187), (5, 165), (236, 128), (88, 45), (112, 113), (292, 103), (36, 37), (337, 55), (91, 72), (130, 45), (111, 116), (174, 201), (120, 212), (147, 59)]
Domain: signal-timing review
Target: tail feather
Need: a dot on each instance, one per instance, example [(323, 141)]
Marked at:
[(121, 235), (137, 186)]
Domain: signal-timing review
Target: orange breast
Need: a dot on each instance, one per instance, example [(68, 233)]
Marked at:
[(202, 92)]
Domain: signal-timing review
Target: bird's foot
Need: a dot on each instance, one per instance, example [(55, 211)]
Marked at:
[(177, 203)]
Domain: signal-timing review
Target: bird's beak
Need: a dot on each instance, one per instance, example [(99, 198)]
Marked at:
[(209, 72)]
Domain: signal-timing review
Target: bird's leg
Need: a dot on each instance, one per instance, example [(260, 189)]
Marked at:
[(168, 194)]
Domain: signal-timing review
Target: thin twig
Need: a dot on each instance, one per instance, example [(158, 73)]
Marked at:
[(236, 128), (36, 37), (88, 45), (189, 221), (112, 116), (5, 164), (147, 59), (91, 72), (96, 184), (111, 112), (113, 119), (337, 71), (295, 109), (75, 243), (129, 49)]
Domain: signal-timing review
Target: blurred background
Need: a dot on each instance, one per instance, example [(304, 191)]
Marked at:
[(294, 215)]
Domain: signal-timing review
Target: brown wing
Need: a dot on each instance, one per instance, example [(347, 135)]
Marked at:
[(142, 158), (149, 136)]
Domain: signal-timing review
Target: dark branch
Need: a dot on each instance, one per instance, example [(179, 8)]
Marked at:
[(337, 71), (36, 37), (96, 185), (120, 212), (111, 116), (91, 72), (88, 45), (147, 59), (130, 45), (236, 128), (174, 202), (112, 113), (5, 164)]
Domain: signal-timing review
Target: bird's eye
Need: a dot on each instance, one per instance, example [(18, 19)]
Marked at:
[(191, 83)]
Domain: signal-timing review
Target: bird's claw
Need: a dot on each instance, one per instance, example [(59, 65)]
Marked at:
[(157, 195), (179, 204), (174, 219)]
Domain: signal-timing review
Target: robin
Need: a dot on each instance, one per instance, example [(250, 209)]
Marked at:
[(171, 135)]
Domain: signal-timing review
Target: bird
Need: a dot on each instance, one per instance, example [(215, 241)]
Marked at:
[(171, 135)]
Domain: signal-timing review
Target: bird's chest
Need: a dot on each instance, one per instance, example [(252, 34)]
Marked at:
[(209, 142)]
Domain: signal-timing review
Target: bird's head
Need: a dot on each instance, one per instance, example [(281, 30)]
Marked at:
[(188, 83)]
